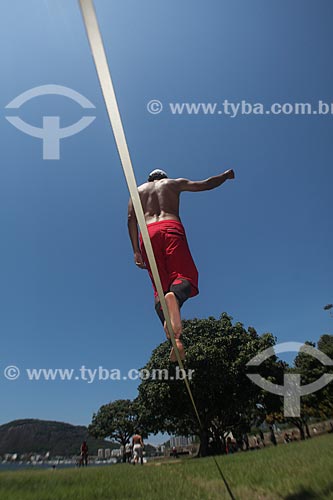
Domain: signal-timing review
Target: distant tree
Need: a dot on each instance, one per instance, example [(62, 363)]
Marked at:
[(318, 404), (226, 398), (325, 344), (117, 421)]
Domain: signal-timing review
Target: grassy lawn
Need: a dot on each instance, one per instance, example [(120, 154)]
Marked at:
[(297, 471)]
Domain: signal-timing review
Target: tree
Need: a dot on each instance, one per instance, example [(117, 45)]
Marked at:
[(318, 404), (325, 344), (325, 396), (117, 421), (226, 399)]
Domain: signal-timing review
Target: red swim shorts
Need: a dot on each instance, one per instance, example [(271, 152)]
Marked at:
[(173, 258)]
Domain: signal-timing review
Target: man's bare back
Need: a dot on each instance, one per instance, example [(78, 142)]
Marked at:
[(160, 200), (137, 439)]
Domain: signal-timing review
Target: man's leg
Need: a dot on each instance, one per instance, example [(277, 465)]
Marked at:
[(159, 312), (183, 274), (179, 292), (176, 323)]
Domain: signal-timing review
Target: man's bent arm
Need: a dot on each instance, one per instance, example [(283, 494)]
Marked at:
[(132, 225), (207, 184)]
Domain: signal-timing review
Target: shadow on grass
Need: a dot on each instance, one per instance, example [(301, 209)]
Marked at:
[(302, 495), (306, 494)]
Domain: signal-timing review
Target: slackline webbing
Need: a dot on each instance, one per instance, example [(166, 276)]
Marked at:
[(105, 80), (103, 72)]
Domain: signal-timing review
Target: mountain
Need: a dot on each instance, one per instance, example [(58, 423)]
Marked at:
[(40, 436)]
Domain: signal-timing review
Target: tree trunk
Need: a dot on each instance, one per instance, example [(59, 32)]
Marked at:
[(308, 435), (301, 429), (299, 424), (203, 449)]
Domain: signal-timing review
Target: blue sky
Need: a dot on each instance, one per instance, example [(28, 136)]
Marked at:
[(70, 294)]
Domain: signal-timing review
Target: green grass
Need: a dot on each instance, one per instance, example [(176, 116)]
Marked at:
[(297, 471)]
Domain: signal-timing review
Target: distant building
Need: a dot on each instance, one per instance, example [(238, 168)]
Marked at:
[(107, 452), (116, 453), (100, 453), (180, 441)]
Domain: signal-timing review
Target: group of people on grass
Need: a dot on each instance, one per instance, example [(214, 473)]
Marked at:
[(133, 451)]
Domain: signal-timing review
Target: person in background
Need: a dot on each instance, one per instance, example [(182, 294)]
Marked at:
[(128, 453), (84, 454), (137, 445)]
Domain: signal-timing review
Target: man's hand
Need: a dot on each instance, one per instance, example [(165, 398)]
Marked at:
[(139, 260), (230, 174)]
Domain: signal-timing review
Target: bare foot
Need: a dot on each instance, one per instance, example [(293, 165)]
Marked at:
[(181, 351)]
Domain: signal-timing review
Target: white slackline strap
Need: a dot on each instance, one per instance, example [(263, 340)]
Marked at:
[(103, 72)]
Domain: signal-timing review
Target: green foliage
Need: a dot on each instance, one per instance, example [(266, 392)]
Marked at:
[(226, 399), (117, 421), (318, 404), (325, 344)]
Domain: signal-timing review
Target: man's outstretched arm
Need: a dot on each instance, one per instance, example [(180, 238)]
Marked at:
[(207, 184), (132, 225)]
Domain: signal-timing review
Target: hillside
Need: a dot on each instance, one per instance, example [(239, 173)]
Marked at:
[(41, 436)]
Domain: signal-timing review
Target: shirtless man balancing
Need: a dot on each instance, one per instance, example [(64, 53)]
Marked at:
[(179, 276)]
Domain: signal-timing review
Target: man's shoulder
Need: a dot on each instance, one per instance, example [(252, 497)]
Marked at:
[(162, 182)]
